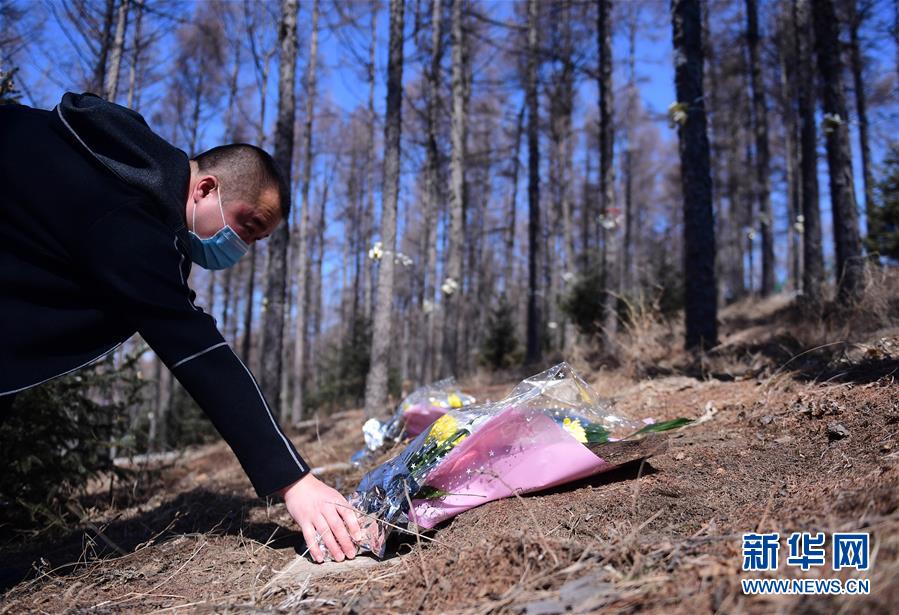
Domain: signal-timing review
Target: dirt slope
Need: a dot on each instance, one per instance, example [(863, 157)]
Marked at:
[(778, 452)]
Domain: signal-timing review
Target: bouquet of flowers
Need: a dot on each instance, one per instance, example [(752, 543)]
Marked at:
[(415, 414), (552, 429)]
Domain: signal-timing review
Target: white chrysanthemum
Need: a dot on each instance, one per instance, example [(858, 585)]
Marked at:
[(449, 286), (608, 222), (677, 113), (831, 122)]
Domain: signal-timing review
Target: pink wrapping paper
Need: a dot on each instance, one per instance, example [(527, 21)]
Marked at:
[(420, 416), (517, 450)]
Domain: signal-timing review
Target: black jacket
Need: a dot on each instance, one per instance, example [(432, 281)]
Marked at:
[(93, 248)]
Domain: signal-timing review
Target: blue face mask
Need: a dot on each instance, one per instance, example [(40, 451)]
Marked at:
[(220, 251)]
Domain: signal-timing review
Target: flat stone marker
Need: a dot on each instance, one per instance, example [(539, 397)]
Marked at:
[(301, 571)]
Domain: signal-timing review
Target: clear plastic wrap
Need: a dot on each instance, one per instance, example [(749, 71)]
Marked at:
[(414, 415), (552, 429)]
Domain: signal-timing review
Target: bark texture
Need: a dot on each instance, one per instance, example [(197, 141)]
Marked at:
[(534, 351), (111, 86), (847, 241), (812, 251), (276, 270), (296, 408), (376, 381), (700, 288), (762, 155), (455, 239), (608, 212)]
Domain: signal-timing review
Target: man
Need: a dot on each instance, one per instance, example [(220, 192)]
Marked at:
[(100, 219)]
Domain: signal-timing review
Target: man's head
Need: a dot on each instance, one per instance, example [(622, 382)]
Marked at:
[(254, 196)]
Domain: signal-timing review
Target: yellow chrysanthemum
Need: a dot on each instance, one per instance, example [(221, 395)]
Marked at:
[(443, 428), (575, 429), (455, 401)]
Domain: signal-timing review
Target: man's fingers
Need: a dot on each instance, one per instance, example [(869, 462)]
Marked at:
[(351, 520), (311, 542), (339, 529), (321, 524)]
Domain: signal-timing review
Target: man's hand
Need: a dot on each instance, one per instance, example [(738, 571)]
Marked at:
[(316, 507)]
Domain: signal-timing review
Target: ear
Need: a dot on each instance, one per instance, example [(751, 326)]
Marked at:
[(205, 185)]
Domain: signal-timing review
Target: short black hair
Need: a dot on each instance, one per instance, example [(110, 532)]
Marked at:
[(247, 171)]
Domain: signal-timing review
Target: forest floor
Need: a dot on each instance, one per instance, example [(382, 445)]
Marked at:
[(783, 443)]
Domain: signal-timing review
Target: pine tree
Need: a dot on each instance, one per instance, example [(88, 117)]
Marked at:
[(534, 320), (762, 156), (500, 346), (847, 241), (700, 292), (456, 236), (296, 412), (812, 251), (857, 13), (275, 292), (376, 383), (608, 213)]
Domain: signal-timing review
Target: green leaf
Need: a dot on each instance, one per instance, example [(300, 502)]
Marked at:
[(666, 425), (596, 433)]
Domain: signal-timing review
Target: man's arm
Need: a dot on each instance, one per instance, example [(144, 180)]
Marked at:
[(136, 264)]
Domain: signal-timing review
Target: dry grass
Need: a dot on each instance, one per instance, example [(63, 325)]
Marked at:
[(658, 538), (759, 336)]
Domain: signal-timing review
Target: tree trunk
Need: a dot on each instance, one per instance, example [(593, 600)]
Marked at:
[(276, 269), (455, 239), (629, 249), (588, 214), (105, 42), (111, 86), (261, 71), (317, 276), (608, 212), (156, 410), (734, 247), (210, 291), (369, 215), (788, 60), (562, 109), (762, 156), (432, 192), (534, 324), (137, 48), (231, 123), (376, 381), (509, 270), (856, 18), (247, 342), (847, 241), (700, 288), (296, 410), (226, 300)]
